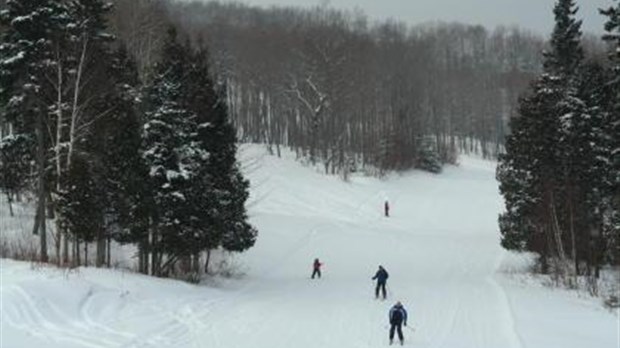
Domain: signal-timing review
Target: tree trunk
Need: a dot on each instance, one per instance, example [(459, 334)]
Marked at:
[(74, 252), (196, 264), (42, 187), (9, 199), (78, 259), (101, 244), (65, 252), (37, 219), (109, 252), (208, 258), (142, 258)]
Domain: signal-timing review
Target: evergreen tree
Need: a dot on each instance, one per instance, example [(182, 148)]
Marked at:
[(82, 204), (127, 191), (612, 230), (238, 234), (533, 171), (566, 54), (527, 170), (171, 151), (15, 164), (223, 190), (27, 54), (199, 97), (85, 91), (429, 159)]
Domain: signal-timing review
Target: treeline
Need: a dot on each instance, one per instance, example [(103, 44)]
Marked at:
[(560, 175), (116, 151), (349, 93)]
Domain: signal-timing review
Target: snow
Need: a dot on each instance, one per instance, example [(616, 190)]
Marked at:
[(440, 246), (11, 60)]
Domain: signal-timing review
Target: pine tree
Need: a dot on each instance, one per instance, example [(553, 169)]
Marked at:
[(82, 205), (27, 54), (612, 230), (238, 234), (223, 190), (127, 193), (527, 170), (566, 53), (429, 159), (84, 90), (15, 163), (533, 170), (171, 151)]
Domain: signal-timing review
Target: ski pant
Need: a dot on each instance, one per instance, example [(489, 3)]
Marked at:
[(316, 272), (399, 328), (380, 286)]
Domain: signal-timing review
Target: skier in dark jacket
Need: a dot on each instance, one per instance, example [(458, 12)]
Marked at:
[(316, 268), (398, 317), (381, 276)]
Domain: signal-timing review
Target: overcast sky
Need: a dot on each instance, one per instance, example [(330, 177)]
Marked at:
[(535, 15)]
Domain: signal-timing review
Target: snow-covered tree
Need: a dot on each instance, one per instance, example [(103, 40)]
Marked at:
[(174, 158), (15, 164), (530, 172), (26, 58), (124, 171), (232, 187), (428, 156), (612, 28), (565, 54), (557, 173)]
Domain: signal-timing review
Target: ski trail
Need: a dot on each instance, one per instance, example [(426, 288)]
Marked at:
[(440, 246), (508, 317), (28, 317)]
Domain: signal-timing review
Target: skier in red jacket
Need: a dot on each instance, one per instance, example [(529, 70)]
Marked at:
[(316, 268)]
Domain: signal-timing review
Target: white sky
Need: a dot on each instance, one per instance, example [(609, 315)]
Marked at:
[(535, 15)]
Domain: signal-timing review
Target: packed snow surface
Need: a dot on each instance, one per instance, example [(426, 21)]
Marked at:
[(440, 246)]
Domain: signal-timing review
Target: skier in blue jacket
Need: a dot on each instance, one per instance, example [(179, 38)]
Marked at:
[(398, 317), (381, 276)]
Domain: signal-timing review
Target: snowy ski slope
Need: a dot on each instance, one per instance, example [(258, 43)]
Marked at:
[(440, 246)]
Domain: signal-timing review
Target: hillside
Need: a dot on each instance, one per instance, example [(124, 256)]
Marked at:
[(440, 246)]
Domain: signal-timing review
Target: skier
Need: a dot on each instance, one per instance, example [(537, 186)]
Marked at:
[(386, 208), (316, 268), (398, 317), (381, 276)]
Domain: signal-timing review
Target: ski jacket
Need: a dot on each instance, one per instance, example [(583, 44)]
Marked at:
[(398, 315), (317, 265), (381, 276)]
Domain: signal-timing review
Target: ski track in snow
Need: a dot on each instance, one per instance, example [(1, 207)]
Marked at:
[(440, 245)]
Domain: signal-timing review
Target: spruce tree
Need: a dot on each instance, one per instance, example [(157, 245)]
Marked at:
[(26, 56), (223, 190), (15, 164), (82, 204), (127, 191), (612, 36), (531, 172), (238, 234), (527, 169), (83, 106), (171, 151), (566, 54), (429, 159)]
